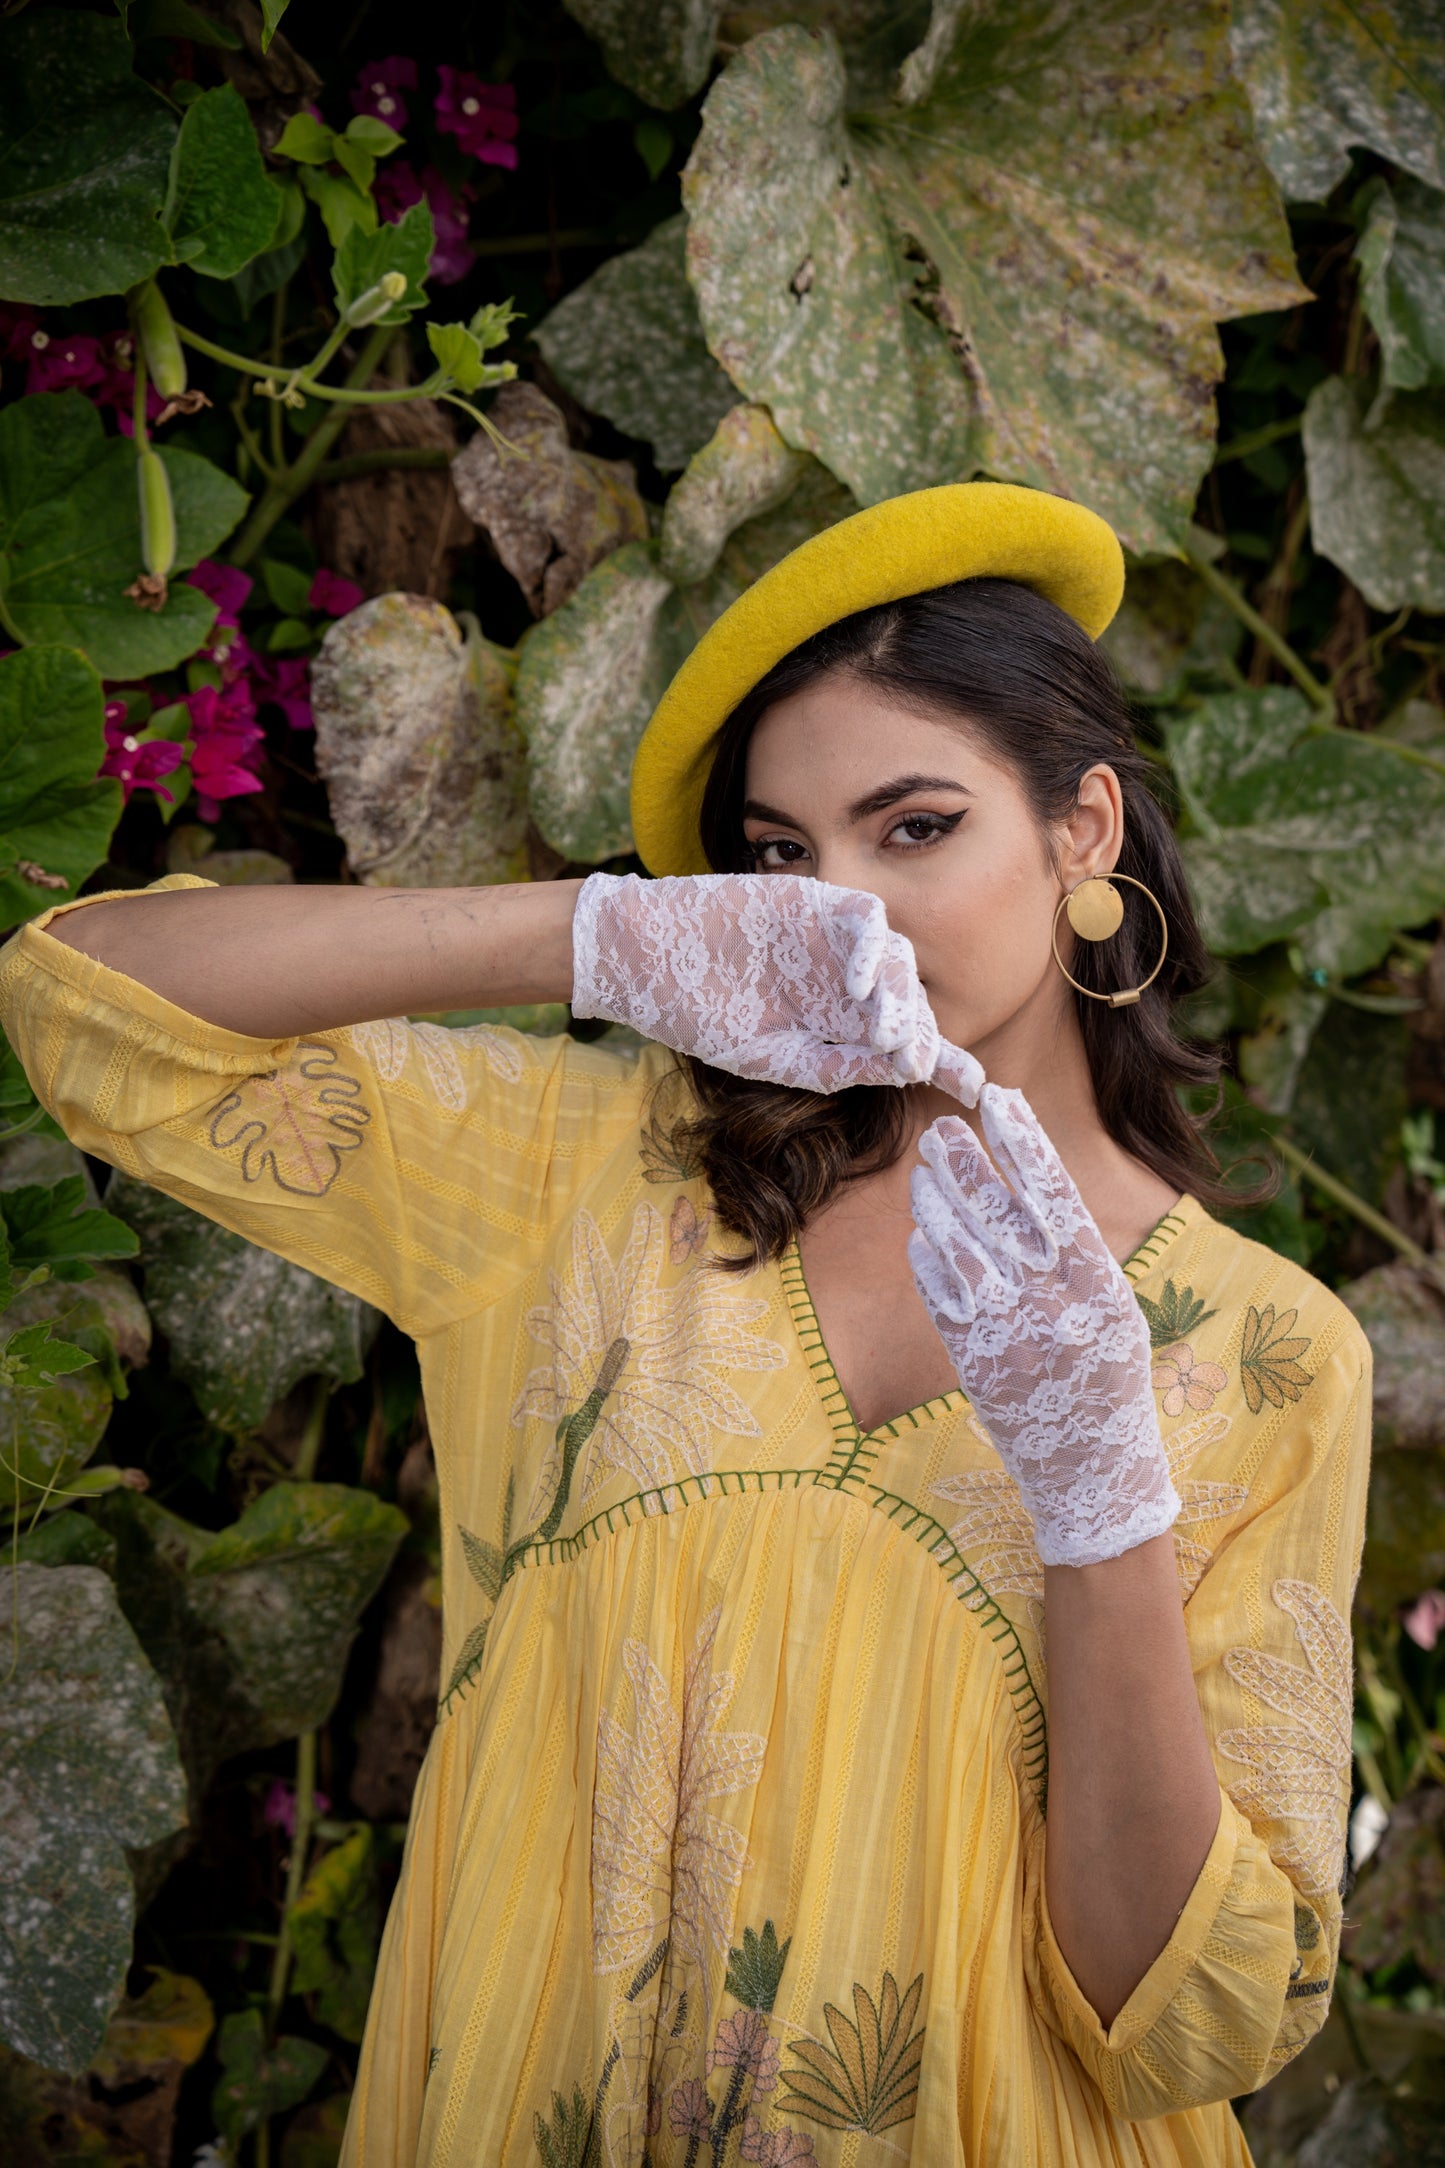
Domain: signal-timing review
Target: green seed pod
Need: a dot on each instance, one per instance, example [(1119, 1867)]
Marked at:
[(157, 514), (165, 357), (377, 299)]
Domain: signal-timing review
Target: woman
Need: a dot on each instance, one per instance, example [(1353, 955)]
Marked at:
[(790, 1401)]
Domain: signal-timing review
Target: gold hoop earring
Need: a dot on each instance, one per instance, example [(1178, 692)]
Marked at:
[(1096, 910)]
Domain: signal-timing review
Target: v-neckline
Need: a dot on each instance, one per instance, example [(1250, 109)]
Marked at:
[(836, 1404)]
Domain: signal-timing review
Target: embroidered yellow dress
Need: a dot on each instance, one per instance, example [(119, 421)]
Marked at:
[(729, 1844)]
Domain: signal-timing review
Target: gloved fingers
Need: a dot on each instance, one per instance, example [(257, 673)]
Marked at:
[(1001, 1226), (1025, 1154), (855, 926), (958, 1073), (944, 1294)]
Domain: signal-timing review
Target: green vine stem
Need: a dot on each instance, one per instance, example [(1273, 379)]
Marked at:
[(1318, 695), (1256, 440), (282, 491), (295, 1877), (1329, 1185), (347, 394), (308, 1452)]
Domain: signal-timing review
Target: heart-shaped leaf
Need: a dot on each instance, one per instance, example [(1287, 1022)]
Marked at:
[(88, 1767), (56, 815), (363, 260), (1325, 74), (70, 541), (628, 343), (1038, 297), (221, 206), (53, 1429), (84, 148), (415, 735), (1376, 469)]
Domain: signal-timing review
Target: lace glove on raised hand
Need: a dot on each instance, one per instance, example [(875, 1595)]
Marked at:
[(767, 975), (1045, 1334)]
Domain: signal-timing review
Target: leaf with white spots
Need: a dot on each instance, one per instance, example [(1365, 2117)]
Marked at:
[(1401, 257), (628, 344), (88, 1767), (244, 1325), (1020, 273), (1376, 470), (1325, 74), (744, 470)]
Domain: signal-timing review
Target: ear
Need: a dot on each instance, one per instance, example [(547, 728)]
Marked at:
[(1092, 837)]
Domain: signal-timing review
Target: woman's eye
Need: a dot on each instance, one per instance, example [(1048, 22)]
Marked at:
[(923, 828), (772, 853)]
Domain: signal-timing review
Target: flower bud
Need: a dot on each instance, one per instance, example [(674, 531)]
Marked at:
[(164, 354), (377, 299)]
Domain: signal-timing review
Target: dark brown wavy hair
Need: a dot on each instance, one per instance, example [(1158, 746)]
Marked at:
[(1027, 682)]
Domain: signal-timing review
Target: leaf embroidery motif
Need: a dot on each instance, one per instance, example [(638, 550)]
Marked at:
[(485, 1564), (295, 1124), (1174, 1316), (868, 2080), (390, 1041), (1269, 1364)]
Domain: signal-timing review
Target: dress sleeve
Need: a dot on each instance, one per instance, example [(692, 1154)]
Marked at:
[(1245, 1979), (419, 1167)]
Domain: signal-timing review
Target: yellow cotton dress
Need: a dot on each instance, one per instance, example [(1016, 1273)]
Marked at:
[(729, 1845)]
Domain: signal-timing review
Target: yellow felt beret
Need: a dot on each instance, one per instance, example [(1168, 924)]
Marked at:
[(964, 530)]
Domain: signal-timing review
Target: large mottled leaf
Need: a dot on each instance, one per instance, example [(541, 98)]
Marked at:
[(221, 205), (1168, 625), (56, 812), (1401, 257), (662, 49), (1325, 74), (243, 1324), (629, 345), (591, 674), (250, 1629), (552, 513), (1403, 1313), (47, 1435), (84, 147), (1376, 470), (70, 542), (744, 470), (1350, 1097), (1022, 272), (1323, 835), (88, 1766), (415, 736)]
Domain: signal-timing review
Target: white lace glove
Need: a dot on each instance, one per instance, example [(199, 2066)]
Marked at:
[(1045, 1334), (768, 975)]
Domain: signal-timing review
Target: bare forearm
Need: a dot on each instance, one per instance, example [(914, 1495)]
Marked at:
[(272, 962), (1133, 1797)]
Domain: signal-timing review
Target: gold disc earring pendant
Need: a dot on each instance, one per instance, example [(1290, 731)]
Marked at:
[(1096, 910)]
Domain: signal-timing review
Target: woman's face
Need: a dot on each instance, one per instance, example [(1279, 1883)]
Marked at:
[(845, 785)]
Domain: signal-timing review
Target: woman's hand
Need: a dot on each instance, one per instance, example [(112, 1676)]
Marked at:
[(1044, 1332), (768, 975)]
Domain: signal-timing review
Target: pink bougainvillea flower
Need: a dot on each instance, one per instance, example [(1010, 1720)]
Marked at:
[(74, 364), (285, 680), (334, 594), (227, 739), (227, 585), (482, 116), (138, 764), (279, 1810), (18, 326), (1424, 1619), (376, 89), (398, 188), (1185, 1382)]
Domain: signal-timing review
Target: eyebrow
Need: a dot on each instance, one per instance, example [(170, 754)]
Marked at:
[(876, 801)]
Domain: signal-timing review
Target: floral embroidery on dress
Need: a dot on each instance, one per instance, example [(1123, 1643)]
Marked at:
[(1176, 1314), (295, 1124), (1269, 1364), (388, 1043), (868, 2079), (658, 1855), (1299, 1770), (637, 1370), (687, 1230), (1184, 1381)]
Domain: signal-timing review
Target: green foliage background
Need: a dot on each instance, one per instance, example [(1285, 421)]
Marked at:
[(764, 263)]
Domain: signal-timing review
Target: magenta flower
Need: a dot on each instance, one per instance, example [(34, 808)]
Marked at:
[(226, 585), (335, 595), (279, 1810), (226, 737), (1424, 1619), (285, 681), (138, 764), (398, 188), (74, 364), (375, 89), (17, 328), (482, 116)]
